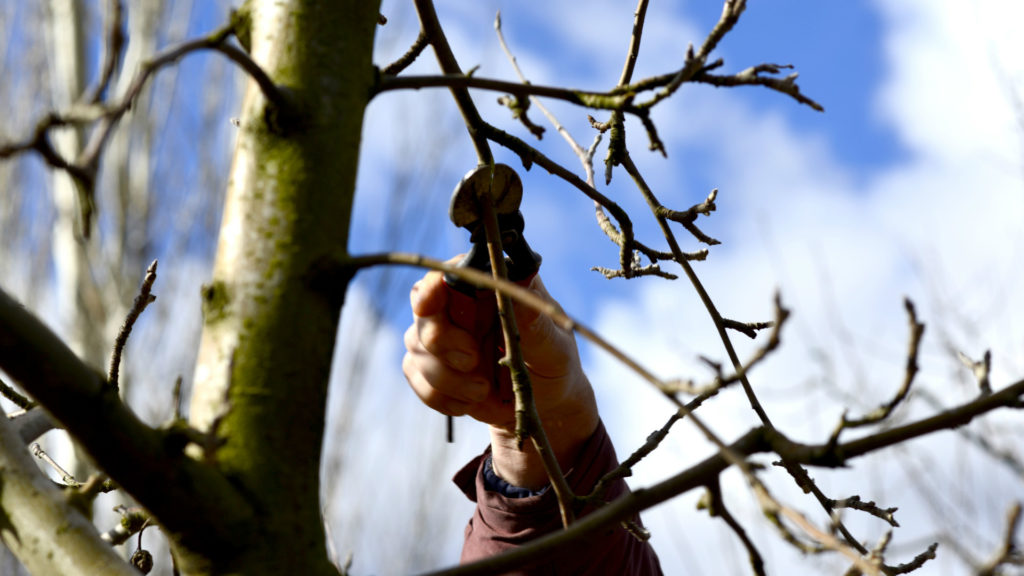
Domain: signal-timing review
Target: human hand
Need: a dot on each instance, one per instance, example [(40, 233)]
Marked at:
[(443, 366)]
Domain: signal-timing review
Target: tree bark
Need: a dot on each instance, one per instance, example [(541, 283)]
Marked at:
[(40, 526), (269, 325)]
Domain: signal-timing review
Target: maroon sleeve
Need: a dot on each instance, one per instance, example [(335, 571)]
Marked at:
[(500, 523)]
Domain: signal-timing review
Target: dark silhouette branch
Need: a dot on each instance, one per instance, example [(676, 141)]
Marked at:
[(111, 50), (16, 398), (715, 505), (138, 457), (142, 300)]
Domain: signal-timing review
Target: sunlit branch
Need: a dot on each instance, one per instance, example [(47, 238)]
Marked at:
[(705, 298), (530, 155), (629, 267), (584, 98), (410, 56), (527, 419), (450, 67), (1009, 552)]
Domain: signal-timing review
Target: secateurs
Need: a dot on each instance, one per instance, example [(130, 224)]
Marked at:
[(474, 309)]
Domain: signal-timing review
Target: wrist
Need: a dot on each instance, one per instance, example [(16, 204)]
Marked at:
[(567, 429)]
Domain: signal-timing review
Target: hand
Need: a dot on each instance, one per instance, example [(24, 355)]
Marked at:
[(443, 366)]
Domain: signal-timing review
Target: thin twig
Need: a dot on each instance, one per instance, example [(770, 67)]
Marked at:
[(111, 49), (17, 398), (530, 155), (803, 479), (403, 62), (823, 538), (749, 329), (855, 503), (717, 508), (65, 476), (705, 298), (910, 371), (144, 298), (980, 368), (450, 67), (721, 381), (1009, 552), (626, 243), (633, 52), (527, 418)]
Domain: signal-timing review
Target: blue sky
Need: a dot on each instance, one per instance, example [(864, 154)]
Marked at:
[(910, 183)]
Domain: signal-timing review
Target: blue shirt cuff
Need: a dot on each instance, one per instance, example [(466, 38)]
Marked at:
[(494, 483)]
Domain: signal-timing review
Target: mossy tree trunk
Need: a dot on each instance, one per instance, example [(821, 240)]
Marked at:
[(269, 326)]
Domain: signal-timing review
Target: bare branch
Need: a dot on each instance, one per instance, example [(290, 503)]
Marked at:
[(446, 60), (144, 298), (125, 448), (980, 369), (83, 169), (917, 562), (747, 328), (761, 439), (715, 505), (111, 50), (410, 56), (528, 424), (753, 77), (1003, 455), (705, 298), (17, 398), (65, 476), (688, 217), (1009, 553), (530, 155), (885, 410), (854, 502), (33, 506)]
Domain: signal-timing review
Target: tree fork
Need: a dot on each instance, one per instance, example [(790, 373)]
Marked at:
[(268, 336)]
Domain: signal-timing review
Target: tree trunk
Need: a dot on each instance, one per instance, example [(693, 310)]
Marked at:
[(269, 326)]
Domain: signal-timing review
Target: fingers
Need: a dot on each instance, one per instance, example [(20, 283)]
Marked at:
[(428, 296), (439, 385), (452, 372), (435, 332)]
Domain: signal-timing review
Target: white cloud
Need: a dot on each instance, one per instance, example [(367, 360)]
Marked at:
[(942, 226), (844, 247)]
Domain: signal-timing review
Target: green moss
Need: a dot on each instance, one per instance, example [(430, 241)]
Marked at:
[(215, 301), (241, 24)]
